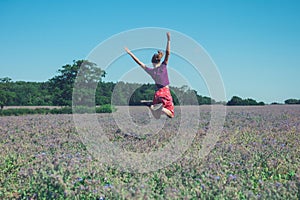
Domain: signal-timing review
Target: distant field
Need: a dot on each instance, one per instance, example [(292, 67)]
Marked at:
[(256, 157)]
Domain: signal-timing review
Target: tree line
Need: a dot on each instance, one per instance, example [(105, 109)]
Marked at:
[(292, 101), (237, 101), (58, 91)]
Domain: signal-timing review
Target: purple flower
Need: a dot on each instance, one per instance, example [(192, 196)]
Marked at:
[(107, 186), (232, 177), (203, 186)]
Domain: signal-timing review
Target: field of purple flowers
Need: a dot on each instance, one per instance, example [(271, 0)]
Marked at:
[(256, 157)]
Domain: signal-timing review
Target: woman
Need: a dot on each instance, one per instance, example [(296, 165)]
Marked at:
[(162, 101)]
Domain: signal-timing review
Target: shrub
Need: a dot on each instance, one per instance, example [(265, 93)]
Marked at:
[(63, 110), (107, 108)]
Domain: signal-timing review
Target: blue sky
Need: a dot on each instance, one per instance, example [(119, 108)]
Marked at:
[(254, 43)]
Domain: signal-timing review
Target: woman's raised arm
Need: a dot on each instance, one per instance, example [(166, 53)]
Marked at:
[(167, 48), (135, 58)]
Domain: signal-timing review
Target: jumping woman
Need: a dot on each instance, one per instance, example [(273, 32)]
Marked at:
[(162, 101)]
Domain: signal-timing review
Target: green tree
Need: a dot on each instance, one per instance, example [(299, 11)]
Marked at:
[(292, 101), (61, 86), (7, 96), (250, 102), (3, 99), (104, 93), (235, 100), (5, 80)]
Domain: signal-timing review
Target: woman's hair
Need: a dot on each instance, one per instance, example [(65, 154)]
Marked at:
[(157, 57)]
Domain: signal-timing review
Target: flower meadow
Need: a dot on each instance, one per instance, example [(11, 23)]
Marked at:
[(256, 157)]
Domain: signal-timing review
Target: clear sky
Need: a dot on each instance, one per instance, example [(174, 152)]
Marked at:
[(254, 43)]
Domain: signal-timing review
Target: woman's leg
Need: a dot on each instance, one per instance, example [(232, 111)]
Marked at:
[(167, 112), (156, 110), (164, 102), (164, 96)]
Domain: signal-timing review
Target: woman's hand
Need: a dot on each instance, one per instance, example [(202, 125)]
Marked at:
[(168, 36), (127, 50)]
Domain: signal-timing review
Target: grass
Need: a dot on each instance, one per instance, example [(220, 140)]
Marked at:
[(256, 157)]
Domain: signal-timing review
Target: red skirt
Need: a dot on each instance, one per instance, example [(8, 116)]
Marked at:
[(163, 95)]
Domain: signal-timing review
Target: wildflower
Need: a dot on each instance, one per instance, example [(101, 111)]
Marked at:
[(232, 177), (277, 184), (203, 186), (108, 186)]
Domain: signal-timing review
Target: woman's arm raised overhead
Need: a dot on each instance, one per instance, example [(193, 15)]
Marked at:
[(135, 58), (167, 48)]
